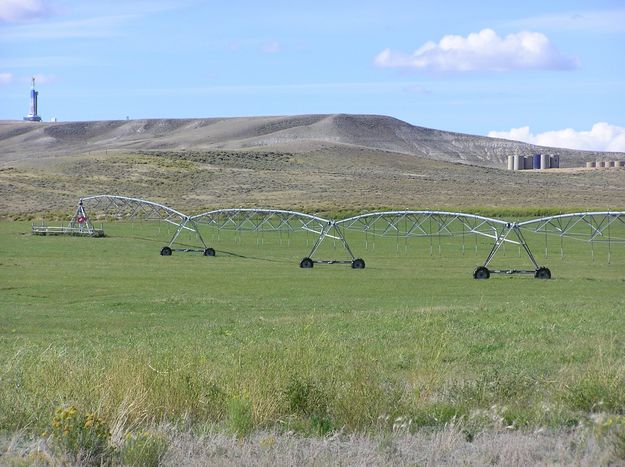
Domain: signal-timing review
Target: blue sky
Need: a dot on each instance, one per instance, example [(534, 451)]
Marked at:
[(539, 71)]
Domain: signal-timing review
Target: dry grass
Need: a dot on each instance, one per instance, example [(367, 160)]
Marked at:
[(325, 180), (446, 446), (312, 163)]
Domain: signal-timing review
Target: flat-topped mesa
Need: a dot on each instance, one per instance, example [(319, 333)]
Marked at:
[(328, 133)]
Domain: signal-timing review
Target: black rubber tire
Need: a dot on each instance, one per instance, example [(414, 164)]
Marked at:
[(542, 273), (209, 252), (306, 263), (165, 251), (481, 273), (358, 263)]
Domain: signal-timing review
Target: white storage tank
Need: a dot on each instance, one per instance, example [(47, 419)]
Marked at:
[(510, 162), (518, 163), (544, 161)]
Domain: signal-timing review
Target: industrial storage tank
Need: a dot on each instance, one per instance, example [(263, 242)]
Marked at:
[(528, 162), (544, 161), (510, 162), (591, 165), (600, 163), (518, 163), (554, 161), (619, 164), (536, 161)]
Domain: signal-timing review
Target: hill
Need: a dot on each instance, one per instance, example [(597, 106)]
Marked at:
[(308, 162), (285, 134)]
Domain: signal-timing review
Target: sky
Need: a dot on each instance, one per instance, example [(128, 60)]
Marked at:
[(537, 71)]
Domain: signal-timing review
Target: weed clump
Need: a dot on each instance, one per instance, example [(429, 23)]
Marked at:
[(611, 433), (143, 449), (240, 420), (307, 399), (83, 437)]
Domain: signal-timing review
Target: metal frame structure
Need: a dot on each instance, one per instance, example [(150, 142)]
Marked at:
[(574, 225), (123, 207), (404, 224), (586, 226), (278, 220)]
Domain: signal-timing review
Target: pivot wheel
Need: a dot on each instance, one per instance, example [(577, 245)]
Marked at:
[(358, 263), (209, 252), (542, 273), (306, 263), (481, 272), (165, 251)]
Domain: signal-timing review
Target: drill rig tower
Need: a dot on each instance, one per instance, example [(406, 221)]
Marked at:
[(32, 115)]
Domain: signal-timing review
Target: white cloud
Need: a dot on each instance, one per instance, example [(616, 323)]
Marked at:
[(601, 137), (22, 10), (484, 50), (5, 78)]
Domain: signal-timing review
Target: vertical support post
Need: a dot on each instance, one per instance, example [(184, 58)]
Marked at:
[(338, 235), (501, 238), (178, 230), (322, 236), (523, 243), (197, 232), (80, 220), (609, 240), (182, 226)]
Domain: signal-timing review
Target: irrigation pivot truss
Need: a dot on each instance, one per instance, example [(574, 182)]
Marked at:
[(277, 220), (123, 207), (605, 227), (405, 224), (584, 226)]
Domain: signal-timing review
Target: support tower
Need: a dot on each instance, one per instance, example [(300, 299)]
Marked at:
[(32, 115)]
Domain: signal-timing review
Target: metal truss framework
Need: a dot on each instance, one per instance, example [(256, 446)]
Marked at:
[(405, 224), (277, 220), (586, 226), (135, 209)]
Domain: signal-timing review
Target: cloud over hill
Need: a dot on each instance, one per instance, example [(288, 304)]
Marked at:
[(601, 137), (482, 51)]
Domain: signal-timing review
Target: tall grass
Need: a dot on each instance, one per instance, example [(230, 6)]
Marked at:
[(248, 341)]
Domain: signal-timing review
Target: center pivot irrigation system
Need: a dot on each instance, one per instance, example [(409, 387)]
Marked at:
[(585, 226)]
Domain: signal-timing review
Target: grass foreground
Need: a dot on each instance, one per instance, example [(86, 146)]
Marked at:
[(247, 342)]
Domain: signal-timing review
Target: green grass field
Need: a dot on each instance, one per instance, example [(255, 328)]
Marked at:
[(247, 340)]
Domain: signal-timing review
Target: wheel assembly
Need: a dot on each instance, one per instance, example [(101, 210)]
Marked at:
[(358, 263), (542, 273), (481, 272), (209, 252), (165, 251), (306, 263)]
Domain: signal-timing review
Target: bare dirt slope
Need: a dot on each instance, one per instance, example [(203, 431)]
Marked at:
[(310, 162), (290, 134)]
